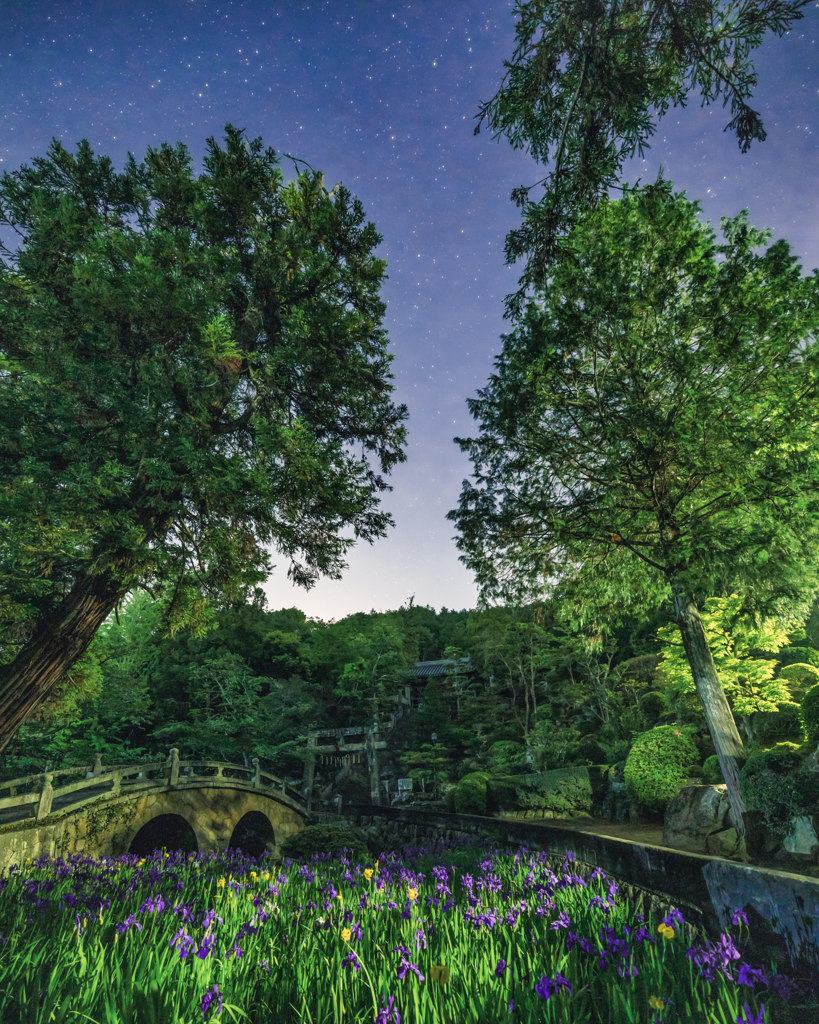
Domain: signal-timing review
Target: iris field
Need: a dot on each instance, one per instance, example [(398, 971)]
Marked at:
[(443, 934)]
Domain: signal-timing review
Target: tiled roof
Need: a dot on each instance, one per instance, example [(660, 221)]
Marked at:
[(437, 668)]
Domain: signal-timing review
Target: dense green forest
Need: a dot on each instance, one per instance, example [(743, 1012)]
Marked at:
[(540, 696)]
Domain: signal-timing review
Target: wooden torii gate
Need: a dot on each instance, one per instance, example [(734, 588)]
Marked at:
[(345, 747)]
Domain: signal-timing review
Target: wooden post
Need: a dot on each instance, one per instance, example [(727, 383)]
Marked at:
[(310, 769), (174, 767), (372, 758), (97, 769), (46, 796), (257, 775)]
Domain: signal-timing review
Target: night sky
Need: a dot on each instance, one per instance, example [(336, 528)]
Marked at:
[(382, 95)]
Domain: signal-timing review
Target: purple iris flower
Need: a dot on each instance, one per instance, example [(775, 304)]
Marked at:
[(500, 968), (561, 921), (206, 949), (388, 1014), (183, 941), (208, 998), (547, 987), (749, 1017), (749, 975), (126, 924), (737, 916), (351, 960), (597, 874)]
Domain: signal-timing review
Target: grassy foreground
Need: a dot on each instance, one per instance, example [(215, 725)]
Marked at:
[(444, 934)]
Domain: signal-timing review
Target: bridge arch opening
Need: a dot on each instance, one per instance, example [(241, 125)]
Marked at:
[(170, 831), (253, 834)]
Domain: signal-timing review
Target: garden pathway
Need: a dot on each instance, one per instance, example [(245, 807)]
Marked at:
[(651, 834)]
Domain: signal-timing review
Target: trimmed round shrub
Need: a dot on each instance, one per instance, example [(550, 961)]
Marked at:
[(657, 765), (654, 705), (323, 839), (810, 714), (470, 793), (775, 784), (798, 656), (712, 772)]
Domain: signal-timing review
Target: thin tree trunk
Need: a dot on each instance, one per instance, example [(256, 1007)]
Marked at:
[(59, 641), (718, 715)]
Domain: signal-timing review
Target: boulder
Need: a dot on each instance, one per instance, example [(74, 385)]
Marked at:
[(803, 842), (726, 844), (695, 813)]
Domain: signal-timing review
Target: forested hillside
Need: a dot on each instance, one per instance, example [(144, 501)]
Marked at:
[(533, 695)]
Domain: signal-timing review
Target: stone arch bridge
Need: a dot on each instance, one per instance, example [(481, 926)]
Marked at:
[(188, 805)]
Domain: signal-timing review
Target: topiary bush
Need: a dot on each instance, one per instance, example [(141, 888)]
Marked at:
[(809, 712), (657, 765), (323, 839), (712, 772), (775, 784), (654, 705), (470, 793)]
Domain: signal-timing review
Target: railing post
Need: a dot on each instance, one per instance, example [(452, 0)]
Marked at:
[(46, 796), (174, 766), (97, 770), (257, 775), (117, 789)]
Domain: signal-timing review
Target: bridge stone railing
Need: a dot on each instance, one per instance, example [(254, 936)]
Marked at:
[(40, 790)]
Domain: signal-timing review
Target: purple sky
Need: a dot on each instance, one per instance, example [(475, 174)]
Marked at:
[(381, 95)]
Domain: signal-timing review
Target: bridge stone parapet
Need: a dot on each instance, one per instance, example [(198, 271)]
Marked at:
[(103, 814)]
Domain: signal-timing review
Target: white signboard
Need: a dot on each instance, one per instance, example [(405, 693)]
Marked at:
[(404, 784)]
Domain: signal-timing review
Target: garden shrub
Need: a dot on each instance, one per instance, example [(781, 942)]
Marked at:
[(564, 792), (658, 764), (470, 793), (323, 839), (798, 656), (590, 750), (810, 714), (654, 705), (506, 757), (773, 726), (712, 772), (775, 784)]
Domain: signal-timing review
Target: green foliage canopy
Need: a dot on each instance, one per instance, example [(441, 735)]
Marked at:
[(587, 83), (652, 417), (193, 370), (732, 637)]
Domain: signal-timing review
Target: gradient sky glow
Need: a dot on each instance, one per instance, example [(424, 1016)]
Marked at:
[(381, 95)]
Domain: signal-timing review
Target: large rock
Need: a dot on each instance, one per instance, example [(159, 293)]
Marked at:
[(695, 813), (727, 844), (803, 842)]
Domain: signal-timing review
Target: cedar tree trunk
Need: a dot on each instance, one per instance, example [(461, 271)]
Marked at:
[(718, 715), (60, 639)]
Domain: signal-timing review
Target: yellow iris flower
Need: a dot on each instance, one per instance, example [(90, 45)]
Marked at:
[(412, 894), (368, 873), (346, 934)]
